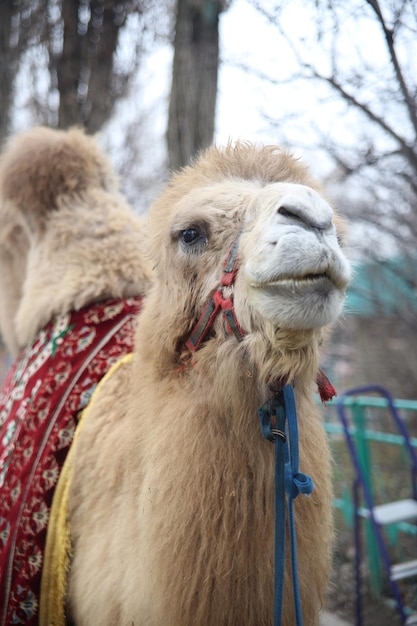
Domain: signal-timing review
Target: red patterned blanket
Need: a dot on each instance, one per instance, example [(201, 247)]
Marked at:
[(51, 381)]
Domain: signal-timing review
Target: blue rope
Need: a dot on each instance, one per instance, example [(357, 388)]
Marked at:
[(278, 421)]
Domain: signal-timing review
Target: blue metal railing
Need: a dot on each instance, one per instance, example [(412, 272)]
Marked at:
[(368, 431)]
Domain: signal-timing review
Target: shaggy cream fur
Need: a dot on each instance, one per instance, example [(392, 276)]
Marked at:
[(69, 244), (67, 237), (171, 505)]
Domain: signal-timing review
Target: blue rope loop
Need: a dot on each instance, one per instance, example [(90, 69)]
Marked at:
[(278, 422), (297, 483)]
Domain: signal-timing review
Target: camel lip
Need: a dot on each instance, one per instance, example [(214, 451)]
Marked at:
[(294, 282)]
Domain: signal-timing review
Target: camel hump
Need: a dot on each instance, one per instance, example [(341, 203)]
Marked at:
[(40, 166)]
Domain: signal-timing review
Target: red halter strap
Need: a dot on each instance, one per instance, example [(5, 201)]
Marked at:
[(219, 303)]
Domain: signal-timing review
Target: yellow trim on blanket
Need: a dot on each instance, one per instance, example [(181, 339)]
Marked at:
[(57, 557)]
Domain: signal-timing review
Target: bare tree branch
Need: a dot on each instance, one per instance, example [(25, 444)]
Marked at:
[(389, 38), (406, 150)]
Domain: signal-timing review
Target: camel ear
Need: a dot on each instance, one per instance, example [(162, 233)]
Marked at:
[(42, 165)]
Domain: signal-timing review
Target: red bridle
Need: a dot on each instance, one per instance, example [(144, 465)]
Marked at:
[(219, 303)]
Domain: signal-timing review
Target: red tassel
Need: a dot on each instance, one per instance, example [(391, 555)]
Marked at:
[(326, 389)]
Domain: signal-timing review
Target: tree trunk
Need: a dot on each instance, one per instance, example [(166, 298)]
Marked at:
[(69, 67), (10, 49), (194, 80), (85, 67), (103, 34)]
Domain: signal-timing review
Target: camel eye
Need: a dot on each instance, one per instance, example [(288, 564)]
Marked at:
[(191, 238), (189, 235)]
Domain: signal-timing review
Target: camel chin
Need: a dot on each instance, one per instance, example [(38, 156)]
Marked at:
[(298, 304)]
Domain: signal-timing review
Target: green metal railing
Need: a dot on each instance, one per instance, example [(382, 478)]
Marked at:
[(376, 448)]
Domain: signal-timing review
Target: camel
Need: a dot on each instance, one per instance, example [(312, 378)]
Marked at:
[(170, 493), (73, 273)]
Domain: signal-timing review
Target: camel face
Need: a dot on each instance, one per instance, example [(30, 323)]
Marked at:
[(293, 270)]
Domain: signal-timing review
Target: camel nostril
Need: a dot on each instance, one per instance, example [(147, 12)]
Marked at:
[(286, 212), (308, 216)]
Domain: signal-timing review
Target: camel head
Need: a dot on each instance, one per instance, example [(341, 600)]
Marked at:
[(292, 273)]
